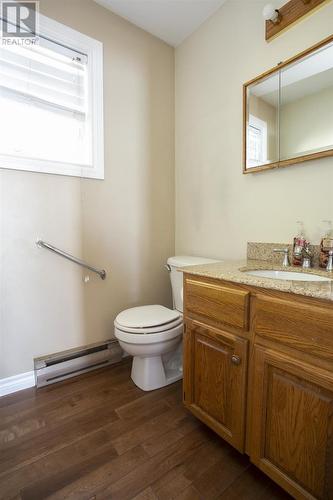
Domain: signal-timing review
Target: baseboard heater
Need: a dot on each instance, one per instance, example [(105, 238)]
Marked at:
[(66, 364)]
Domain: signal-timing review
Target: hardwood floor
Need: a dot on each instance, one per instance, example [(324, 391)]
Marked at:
[(100, 437)]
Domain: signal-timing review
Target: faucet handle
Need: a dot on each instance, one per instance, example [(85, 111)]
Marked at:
[(281, 250)]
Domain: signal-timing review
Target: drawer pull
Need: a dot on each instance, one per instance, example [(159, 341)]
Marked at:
[(235, 359)]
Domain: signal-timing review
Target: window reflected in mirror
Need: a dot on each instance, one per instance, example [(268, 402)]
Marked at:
[(263, 122)]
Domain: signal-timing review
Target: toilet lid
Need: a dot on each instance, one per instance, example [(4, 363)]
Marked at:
[(146, 316)]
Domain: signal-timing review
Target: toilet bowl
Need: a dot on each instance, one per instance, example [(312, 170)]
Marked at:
[(153, 334)]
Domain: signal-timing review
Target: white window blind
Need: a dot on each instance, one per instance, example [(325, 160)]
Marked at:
[(48, 108), (41, 72)]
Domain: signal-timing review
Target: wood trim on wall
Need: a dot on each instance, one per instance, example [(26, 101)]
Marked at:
[(291, 13), (278, 67), (287, 163)]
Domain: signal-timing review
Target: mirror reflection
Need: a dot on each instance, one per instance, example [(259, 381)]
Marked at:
[(306, 108), (289, 113)]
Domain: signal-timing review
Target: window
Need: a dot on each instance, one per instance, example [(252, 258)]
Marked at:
[(257, 141), (51, 104)]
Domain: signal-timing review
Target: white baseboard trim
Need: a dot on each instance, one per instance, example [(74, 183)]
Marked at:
[(16, 383)]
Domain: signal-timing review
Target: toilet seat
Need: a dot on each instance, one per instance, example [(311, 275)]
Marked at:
[(144, 317), (148, 324), (150, 331), (153, 337), (150, 320)]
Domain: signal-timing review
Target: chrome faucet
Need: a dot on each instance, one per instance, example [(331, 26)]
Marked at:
[(285, 251), (307, 256), (329, 266)]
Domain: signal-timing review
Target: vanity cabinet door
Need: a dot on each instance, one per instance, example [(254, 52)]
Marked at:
[(215, 373), (292, 424)]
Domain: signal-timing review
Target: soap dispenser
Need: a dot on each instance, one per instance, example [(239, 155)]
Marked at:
[(300, 243), (326, 244)]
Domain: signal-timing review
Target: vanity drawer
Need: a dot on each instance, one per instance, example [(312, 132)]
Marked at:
[(301, 325), (229, 306)]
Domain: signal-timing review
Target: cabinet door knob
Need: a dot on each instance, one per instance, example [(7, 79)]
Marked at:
[(235, 359)]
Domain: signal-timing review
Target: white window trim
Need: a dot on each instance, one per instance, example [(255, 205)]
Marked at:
[(94, 50), (256, 122)]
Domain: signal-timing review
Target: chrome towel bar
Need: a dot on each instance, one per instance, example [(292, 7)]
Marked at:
[(43, 244)]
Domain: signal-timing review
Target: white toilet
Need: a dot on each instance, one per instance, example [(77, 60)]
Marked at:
[(153, 334)]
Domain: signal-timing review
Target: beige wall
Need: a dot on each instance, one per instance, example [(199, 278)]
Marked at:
[(124, 223), (217, 208)]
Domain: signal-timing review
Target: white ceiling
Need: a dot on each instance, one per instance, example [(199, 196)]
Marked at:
[(169, 20)]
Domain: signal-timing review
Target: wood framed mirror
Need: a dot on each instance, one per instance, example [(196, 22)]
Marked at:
[(288, 111)]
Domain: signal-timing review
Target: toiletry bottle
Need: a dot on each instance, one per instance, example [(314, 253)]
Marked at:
[(300, 243), (326, 244)]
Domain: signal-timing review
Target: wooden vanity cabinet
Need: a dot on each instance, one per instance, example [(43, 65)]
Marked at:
[(215, 381), (291, 430), (261, 372)]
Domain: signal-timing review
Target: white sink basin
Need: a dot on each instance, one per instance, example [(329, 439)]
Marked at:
[(286, 275)]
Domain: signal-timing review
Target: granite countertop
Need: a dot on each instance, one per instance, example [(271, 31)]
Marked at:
[(231, 270)]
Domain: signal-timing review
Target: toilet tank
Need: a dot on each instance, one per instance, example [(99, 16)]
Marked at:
[(176, 276)]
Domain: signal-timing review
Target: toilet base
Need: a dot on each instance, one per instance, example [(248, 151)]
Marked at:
[(149, 373)]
